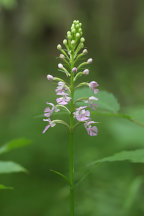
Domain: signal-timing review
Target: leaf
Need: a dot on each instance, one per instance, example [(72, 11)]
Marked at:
[(14, 144), (8, 4), (134, 156), (107, 101), (3, 187), (10, 167), (60, 174)]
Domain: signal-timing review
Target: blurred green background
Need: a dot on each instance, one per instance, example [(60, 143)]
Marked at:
[(29, 33)]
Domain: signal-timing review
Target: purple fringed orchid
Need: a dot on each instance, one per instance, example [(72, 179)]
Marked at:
[(81, 114), (91, 130), (93, 86), (50, 124), (63, 100), (48, 112), (74, 67), (65, 91)]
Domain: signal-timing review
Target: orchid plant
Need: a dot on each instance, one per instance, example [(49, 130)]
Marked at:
[(74, 67)]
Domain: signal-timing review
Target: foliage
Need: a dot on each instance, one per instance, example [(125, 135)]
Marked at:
[(7, 167)]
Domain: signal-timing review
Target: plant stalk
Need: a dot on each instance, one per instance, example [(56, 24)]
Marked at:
[(71, 147)]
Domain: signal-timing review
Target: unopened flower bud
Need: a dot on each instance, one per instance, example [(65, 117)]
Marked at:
[(85, 51), (89, 61), (69, 36), (59, 47), (77, 26), (82, 40), (74, 70), (50, 77), (75, 22), (68, 32), (82, 45), (62, 56), (64, 41), (77, 35), (73, 42), (60, 66), (73, 30), (86, 72)]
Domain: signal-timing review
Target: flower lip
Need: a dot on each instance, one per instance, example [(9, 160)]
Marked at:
[(51, 124), (91, 130), (81, 114)]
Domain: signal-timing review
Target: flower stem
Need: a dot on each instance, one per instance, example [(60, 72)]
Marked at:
[(71, 147)]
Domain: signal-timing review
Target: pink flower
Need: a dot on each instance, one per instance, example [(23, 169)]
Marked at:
[(93, 86), (91, 130), (51, 124), (90, 102), (50, 77), (48, 112), (63, 100), (81, 114), (61, 88)]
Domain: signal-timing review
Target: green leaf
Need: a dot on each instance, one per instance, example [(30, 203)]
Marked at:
[(107, 101), (61, 175), (3, 187), (134, 156), (8, 4), (10, 167), (14, 144)]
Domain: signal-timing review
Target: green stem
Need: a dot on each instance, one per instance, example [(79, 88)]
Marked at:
[(71, 147)]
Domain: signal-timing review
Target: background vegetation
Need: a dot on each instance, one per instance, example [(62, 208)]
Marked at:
[(29, 33)]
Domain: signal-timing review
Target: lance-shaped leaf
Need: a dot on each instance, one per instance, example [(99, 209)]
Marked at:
[(10, 167), (134, 156), (3, 187), (14, 144), (61, 175)]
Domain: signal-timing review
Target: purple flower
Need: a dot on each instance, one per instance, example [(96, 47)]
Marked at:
[(50, 124), (91, 130), (81, 114), (63, 100), (93, 86), (74, 70), (61, 88), (48, 112), (90, 102), (50, 77)]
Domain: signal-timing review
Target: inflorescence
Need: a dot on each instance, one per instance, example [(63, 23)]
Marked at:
[(71, 55)]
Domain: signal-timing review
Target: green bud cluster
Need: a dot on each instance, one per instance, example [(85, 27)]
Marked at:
[(74, 41)]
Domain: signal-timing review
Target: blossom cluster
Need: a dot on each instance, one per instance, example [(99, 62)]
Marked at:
[(71, 55)]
